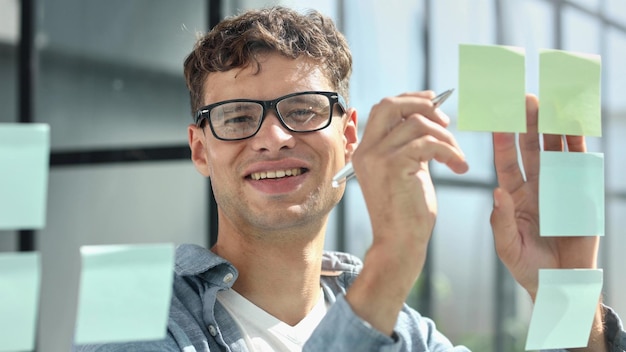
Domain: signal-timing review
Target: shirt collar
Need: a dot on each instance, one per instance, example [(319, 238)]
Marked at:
[(192, 259)]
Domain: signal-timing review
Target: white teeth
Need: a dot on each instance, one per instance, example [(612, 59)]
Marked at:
[(275, 174)]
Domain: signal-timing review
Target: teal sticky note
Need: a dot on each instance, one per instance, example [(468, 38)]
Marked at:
[(24, 164), (492, 88), (571, 194), (125, 293), (19, 303), (569, 93), (564, 308)]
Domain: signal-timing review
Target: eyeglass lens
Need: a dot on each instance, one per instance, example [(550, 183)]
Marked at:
[(300, 113)]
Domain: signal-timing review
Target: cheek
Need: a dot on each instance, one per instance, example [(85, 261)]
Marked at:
[(217, 159), (334, 145), (339, 139)]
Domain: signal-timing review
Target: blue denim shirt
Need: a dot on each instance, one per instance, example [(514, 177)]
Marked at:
[(199, 323)]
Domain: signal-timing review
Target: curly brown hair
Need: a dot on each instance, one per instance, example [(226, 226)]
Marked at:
[(237, 41)]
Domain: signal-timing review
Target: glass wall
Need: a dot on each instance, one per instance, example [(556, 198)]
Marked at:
[(110, 81), (413, 45), (9, 30)]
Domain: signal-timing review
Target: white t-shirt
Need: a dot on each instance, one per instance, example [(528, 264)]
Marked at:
[(262, 331)]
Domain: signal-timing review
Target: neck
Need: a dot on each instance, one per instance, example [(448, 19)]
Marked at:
[(281, 276)]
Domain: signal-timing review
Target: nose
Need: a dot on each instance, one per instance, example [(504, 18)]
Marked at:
[(272, 136)]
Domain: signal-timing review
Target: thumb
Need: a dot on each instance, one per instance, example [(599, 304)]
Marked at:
[(505, 233)]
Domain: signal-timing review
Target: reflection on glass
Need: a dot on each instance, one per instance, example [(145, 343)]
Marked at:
[(111, 77)]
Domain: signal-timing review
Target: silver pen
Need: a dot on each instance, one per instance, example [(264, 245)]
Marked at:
[(347, 172)]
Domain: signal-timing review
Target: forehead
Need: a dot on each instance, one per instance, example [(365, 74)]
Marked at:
[(276, 76)]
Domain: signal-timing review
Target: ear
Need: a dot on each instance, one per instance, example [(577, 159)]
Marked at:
[(350, 133), (197, 144)]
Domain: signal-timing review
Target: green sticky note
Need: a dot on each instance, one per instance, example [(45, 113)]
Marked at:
[(125, 293), (569, 93), (491, 88), (564, 308), (19, 290), (571, 194), (24, 164)]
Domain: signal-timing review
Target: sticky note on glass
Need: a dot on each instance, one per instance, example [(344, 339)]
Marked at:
[(569, 93), (125, 293), (571, 194), (24, 164), (491, 88), (564, 308), (19, 303)]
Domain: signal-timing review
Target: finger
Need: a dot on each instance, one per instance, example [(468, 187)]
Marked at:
[(416, 126), (391, 110), (553, 142), (529, 141), (427, 148), (505, 233), (505, 161), (428, 94), (576, 144), (442, 118)]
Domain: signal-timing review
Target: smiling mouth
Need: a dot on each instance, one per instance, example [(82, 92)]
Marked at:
[(276, 174)]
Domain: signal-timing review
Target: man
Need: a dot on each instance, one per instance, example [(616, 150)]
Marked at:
[(272, 126)]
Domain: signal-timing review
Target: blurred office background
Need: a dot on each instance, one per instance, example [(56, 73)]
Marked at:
[(108, 79)]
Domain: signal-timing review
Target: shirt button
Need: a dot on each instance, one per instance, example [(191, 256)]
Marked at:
[(212, 330), (228, 278)]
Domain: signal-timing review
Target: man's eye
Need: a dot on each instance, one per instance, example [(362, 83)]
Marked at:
[(301, 113), (240, 119)]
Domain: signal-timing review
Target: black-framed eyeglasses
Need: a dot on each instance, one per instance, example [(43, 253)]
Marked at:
[(237, 119)]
